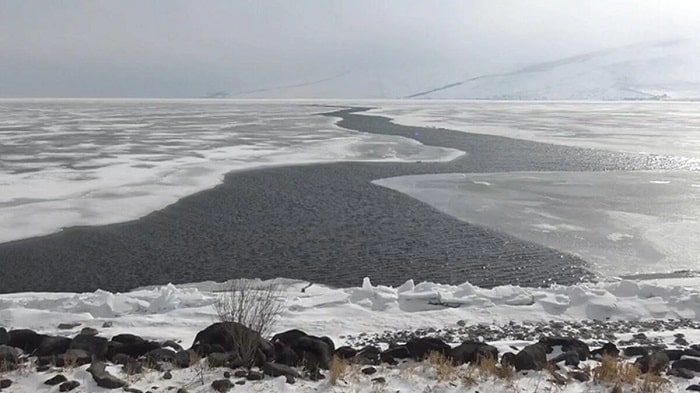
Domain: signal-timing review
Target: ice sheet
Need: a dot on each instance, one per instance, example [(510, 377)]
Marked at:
[(622, 222), (79, 162), (659, 128)]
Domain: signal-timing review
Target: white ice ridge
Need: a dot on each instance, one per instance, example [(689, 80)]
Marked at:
[(179, 312)]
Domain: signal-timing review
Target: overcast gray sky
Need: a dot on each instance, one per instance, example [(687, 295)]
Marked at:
[(174, 48)]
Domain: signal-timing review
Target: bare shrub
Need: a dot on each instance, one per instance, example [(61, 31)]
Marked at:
[(254, 305)]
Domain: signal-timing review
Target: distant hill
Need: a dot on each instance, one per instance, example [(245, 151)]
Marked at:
[(668, 70)]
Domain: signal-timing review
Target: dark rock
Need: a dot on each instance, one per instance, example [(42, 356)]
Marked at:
[(130, 365), (42, 368), (674, 354), (167, 375), (161, 355), (379, 380), (5, 383), (240, 373), (532, 357), (681, 373), (254, 376), (472, 351), (67, 326), (285, 355), (132, 390), (224, 334), (107, 324), (182, 390), (421, 348), (315, 375), (329, 342), (184, 359), (569, 359), (288, 337), (608, 349), (172, 344), (265, 351), (636, 351), (681, 341), (240, 382), (73, 358), (8, 355), (133, 346), (654, 363), (344, 352), (313, 352), (227, 374), (218, 359), (55, 380), (369, 370), (128, 339), (26, 340), (290, 379), (368, 355), (88, 331), (687, 363), (693, 388), (216, 348), (94, 345), (4, 337), (53, 345), (102, 377), (567, 344), (691, 352), (579, 376), (276, 370), (221, 385), (398, 352), (68, 386)]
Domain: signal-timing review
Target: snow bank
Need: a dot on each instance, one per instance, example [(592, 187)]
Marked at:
[(178, 312)]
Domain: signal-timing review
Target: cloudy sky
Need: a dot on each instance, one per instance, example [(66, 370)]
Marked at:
[(174, 48)]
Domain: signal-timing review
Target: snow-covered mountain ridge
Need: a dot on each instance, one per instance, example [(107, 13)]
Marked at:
[(651, 71)]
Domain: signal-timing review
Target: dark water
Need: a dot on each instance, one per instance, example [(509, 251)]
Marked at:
[(322, 223)]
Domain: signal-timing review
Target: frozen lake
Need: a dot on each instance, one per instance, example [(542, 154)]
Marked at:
[(529, 206), (622, 222), (83, 162)]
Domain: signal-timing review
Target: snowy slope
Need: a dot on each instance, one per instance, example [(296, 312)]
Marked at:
[(658, 71), (668, 70)]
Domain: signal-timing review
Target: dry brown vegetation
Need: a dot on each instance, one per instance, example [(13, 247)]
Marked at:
[(445, 369), (339, 367), (615, 372)]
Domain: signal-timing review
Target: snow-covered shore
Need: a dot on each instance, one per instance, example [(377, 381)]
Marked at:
[(179, 312)]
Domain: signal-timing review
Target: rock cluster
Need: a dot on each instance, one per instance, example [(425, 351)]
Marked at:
[(295, 354)]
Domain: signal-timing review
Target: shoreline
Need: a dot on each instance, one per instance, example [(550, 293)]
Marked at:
[(272, 222)]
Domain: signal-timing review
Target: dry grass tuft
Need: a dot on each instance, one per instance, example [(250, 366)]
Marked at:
[(653, 383), (489, 367), (614, 372), (339, 368), (445, 369)]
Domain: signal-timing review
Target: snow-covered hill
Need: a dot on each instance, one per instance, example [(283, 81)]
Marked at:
[(666, 70), (669, 70)]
